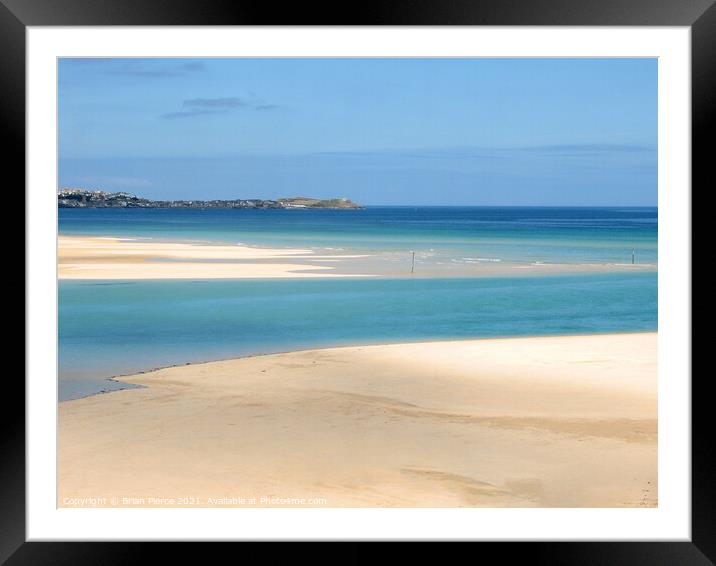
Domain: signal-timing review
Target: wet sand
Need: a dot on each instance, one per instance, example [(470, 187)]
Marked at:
[(106, 258)]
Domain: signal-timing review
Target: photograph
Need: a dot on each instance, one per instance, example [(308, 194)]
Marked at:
[(357, 282), (420, 272)]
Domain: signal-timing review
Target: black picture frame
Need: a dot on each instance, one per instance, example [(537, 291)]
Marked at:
[(16, 15)]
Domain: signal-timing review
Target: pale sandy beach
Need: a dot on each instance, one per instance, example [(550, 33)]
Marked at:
[(102, 258), (114, 258), (523, 422)]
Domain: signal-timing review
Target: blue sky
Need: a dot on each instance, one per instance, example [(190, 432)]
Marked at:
[(379, 131)]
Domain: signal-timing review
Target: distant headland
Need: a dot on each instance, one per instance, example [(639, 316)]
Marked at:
[(83, 198)]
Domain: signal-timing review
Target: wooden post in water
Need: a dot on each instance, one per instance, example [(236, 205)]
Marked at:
[(632, 257), (412, 267)]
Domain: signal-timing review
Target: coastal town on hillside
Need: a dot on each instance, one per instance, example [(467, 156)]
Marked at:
[(83, 198)]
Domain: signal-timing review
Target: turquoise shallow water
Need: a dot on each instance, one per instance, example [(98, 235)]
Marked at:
[(112, 328), (454, 234)]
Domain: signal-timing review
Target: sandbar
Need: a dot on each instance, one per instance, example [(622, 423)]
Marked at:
[(116, 258)]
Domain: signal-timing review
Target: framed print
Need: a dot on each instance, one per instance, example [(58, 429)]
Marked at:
[(424, 275)]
